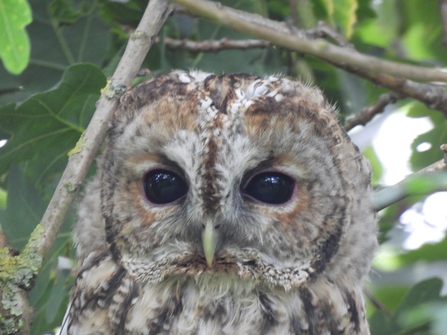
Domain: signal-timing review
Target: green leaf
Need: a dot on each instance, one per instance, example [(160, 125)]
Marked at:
[(52, 291), (47, 125), (365, 10), (24, 208), (62, 11), (55, 46), (378, 324), (433, 138), (125, 14), (422, 38), (14, 42), (427, 253), (278, 9), (412, 312), (3, 197), (58, 293), (328, 6), (390, 295), (326, 9), (414, 315), (345, 15), (383, 29)]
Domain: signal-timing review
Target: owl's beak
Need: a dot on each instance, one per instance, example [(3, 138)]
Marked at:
[(209, 238)]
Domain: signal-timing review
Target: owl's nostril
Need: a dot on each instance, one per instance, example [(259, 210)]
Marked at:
[(217, 226)]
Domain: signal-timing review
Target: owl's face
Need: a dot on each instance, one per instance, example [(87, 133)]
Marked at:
[(207, 174)]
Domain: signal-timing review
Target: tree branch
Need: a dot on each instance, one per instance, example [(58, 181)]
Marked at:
[(139, 44), (377, 304), (214, 45), (285, 36), (395, 76), (367, 113), (392, 194), (323, 30), (434, 97), (43, 237)]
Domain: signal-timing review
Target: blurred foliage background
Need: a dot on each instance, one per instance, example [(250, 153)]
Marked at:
[(54, 70)]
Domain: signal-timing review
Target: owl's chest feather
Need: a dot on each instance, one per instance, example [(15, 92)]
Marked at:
[(219, 304)]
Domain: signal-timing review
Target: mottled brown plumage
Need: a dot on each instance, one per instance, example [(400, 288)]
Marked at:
[(224, 204)]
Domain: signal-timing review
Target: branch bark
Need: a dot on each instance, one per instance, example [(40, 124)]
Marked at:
[(401, 78), (434, 97), (367, 113), (139, 44), (13, 282), (392, 194), (377, 304), (285, 36), (323, 30), (214, 45)]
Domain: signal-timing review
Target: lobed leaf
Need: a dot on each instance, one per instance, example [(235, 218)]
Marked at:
[(47, 125), (14, 42), (56, 44)]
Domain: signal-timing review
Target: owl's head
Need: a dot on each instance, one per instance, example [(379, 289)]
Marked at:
[(206, 174)]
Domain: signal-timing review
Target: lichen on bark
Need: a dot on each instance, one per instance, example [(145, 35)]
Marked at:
[(17, 273)]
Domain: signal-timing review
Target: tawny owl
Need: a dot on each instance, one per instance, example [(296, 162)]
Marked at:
[(224, 204)]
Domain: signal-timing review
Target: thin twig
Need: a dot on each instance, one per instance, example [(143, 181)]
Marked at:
[(392, 194), (78, 164), (433, 96), (443, 10), (377, 303), (367, 113), (323, 30), (3, 241), (214, 45), (444, 150)]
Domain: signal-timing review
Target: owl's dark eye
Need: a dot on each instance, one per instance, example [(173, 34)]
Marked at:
[(270, 187), (163, 186)]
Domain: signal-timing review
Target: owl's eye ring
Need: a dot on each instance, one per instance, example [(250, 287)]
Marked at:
[(163, 187), (270, 187)]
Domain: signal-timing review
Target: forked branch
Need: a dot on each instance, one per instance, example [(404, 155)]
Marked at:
[(401, 78)]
